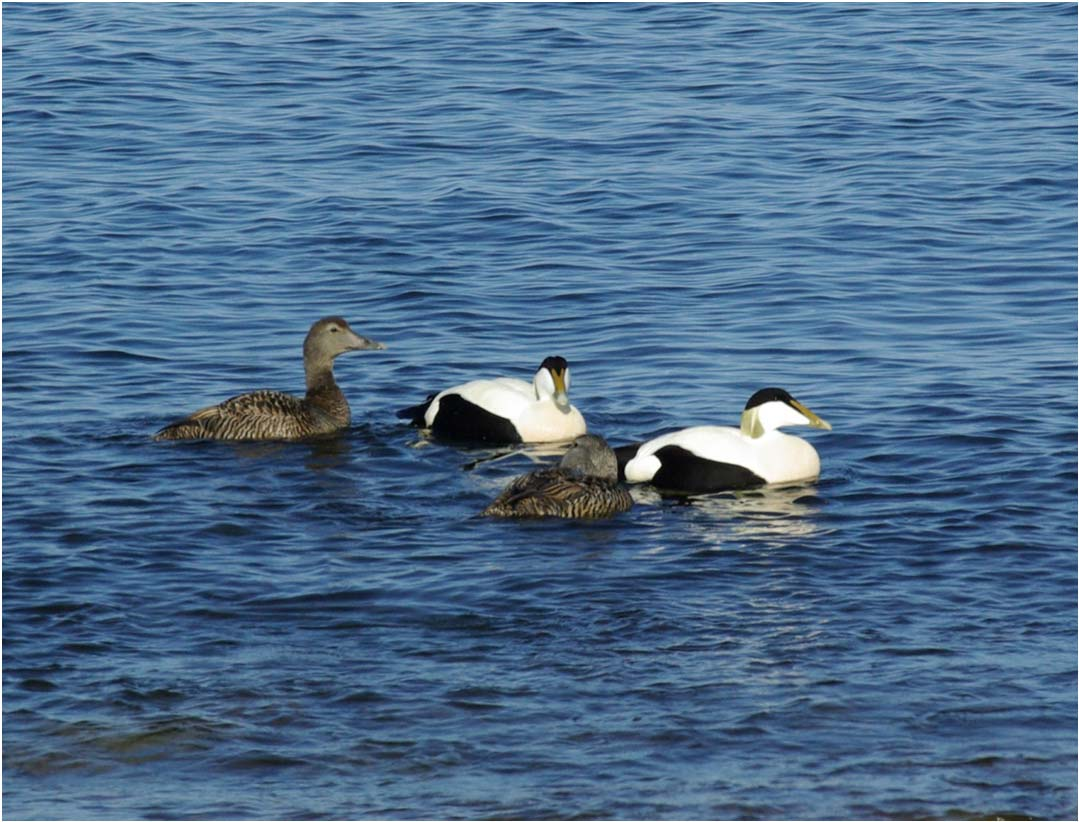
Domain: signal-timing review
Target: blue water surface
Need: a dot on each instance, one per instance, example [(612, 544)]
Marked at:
[(872, 206)]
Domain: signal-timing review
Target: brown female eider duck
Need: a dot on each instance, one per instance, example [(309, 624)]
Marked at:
[(584, 485), (274, 415)]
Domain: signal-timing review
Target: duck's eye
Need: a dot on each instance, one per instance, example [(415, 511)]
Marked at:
[(333, 329)]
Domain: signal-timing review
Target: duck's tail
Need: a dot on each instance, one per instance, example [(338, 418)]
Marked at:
[(185, 429), (415, 413)]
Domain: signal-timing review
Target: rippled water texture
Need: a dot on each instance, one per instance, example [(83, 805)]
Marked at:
[(873, 207)]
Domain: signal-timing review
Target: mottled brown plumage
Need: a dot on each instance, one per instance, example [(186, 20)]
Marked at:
[(274, 415), (584, 485)]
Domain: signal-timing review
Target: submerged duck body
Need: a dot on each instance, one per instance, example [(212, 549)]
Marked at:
[(504, 410), (274, 415), (584, 485), (710, 458)]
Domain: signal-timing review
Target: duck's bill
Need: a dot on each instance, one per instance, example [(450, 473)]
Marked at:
[(359, 343), (561, 397), (814, 420)]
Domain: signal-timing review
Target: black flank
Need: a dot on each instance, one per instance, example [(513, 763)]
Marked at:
[(459, 419), (682, 470)]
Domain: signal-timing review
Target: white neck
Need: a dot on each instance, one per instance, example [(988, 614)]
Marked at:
[(543, 384)]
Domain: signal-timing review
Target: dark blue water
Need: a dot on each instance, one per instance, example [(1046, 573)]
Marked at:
[(871, 206)]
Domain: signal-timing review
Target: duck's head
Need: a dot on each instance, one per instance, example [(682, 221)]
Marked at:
[(331, 336), (552, 380), (772, 408), (590, 454)]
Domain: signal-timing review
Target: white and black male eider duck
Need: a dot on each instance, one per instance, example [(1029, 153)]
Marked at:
[(710, 458), (503, 410), (273, 415), (584, 485)]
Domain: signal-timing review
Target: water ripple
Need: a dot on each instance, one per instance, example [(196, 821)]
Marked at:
[(873, 207)]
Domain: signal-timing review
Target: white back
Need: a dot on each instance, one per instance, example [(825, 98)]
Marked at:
[(536, 418), (505, 396)]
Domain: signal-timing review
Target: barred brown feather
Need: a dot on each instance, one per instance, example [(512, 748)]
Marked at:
[(260, 415), (559, 492)]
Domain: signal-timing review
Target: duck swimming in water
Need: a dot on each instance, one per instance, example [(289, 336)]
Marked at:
[(504, 410), (273, 415), (711, 458), (584, 485)]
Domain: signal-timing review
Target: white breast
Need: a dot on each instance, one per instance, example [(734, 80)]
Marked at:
[(785, 458), (543, 421)]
